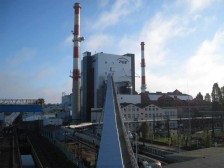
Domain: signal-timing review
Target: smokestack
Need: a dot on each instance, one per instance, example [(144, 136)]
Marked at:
[(76, 65), (143, 87)]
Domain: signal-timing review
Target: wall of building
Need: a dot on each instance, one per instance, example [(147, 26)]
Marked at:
[(87, 91), (134, 114), (119, 66), (134, 99), (97, 115), (95, 69)]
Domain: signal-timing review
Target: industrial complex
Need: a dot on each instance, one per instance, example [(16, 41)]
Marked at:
[(105, 122)]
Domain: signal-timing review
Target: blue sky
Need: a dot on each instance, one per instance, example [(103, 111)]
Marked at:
[(184, 42)]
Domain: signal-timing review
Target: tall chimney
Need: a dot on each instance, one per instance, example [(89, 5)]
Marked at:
[(143, 87), (76, 66)]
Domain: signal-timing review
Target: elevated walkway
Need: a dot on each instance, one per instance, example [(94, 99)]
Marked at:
[(21, 105), (11, 118), (115, 148)]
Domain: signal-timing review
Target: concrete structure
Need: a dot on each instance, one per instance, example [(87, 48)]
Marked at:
[(143, 85), (135, 115), (95, 69), (96, 115), (115, 148), (76, 66)]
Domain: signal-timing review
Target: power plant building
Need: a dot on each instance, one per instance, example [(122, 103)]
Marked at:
[(95, 69)]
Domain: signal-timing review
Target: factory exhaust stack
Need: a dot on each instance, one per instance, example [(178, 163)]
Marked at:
[(143, 85), (76, 66)]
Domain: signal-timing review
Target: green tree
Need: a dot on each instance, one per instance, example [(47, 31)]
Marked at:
[(216, 97), (199, 96), (207, 139), (144, 128), (222, 101), (207, 97)]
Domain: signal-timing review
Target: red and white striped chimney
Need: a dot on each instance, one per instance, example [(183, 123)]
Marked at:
[(143, 85), (76, 66)]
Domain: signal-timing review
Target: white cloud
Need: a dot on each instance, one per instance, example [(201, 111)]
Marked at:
[(198, 73), (119, 10), (206, 66), (156, 33), (195, 6), (198, 5), (98, 42)]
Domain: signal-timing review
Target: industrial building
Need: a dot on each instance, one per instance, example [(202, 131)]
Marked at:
[(95, 69), (90, 78), (134, 115)]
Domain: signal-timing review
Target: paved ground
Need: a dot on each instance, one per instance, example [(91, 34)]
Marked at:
[(202, 158)]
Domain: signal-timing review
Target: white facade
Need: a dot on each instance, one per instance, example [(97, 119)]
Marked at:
[(151, 113), (104, 64), (134, 99)]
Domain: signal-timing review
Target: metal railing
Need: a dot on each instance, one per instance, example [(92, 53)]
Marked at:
[(21, 101)]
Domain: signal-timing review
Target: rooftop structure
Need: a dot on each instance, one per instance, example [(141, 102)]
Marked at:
[(175, 94)]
